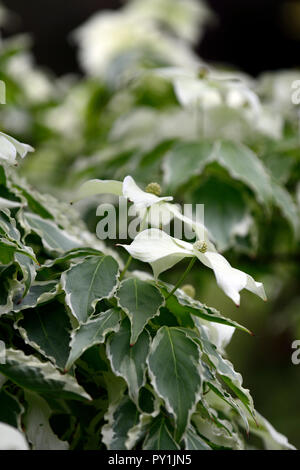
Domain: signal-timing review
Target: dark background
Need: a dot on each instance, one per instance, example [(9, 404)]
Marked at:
[(255, 35)]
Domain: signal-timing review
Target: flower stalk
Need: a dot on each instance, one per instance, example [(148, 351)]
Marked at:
[(182, 278)]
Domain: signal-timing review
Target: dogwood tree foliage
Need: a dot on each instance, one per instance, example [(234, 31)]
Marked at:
[(94, 354), (93, 361)]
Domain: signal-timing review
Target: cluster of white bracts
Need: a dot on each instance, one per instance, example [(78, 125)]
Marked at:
[(162, 251)]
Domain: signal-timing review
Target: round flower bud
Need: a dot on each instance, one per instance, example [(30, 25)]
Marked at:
[(189, 290), (200, 245), (203, 72), (153, 188)]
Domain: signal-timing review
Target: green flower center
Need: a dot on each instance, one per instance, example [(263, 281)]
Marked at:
[(203, 72), (189, 290), (201, 246), (153, 188)]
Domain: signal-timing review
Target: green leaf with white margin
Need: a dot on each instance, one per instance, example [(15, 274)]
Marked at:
[(8, 225), (159, 437), (87, 282), (27, 262), (41, 377), (53, 238), (141, 301), (33, 203), (128, 361), (11, 438), (203, 407), (9, 248), (38, 431), (9, 287), (137, 432), (193, 441), (149, 406), (7, 251), (39, 293), (216, 387), (93, 187), (243, 165), (185, 160), (216, 434), (81, 252), (28, 268), (174, 369), (272, 439), (225, 370), (93, 332), (46, 329), (210, 377), (287, 206), (10, 410), (115, 387), (121, 417), (179, 303)]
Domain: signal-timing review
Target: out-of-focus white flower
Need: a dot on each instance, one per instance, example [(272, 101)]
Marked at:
[(120, 39), (16, 120), (163, 251), (151, 208), (10, 148), (276, 90), (192, 92), (184, 17), (67, 118), (11, 438), (231, 107), (268, 123), (200, 86), (140, 198), (35, 84), (128, 188)]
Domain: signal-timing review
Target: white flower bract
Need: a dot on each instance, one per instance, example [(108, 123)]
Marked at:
[(152, 209), (10, 148), (163, 251)]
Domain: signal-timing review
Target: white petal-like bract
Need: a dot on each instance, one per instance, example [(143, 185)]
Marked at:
[(139, 197), (163, 251), (10, 147), (11, 438)]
